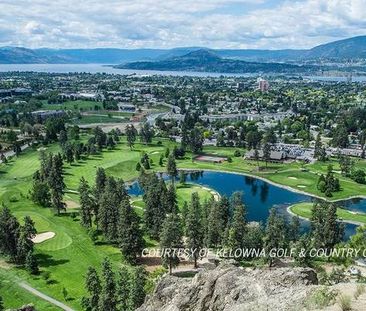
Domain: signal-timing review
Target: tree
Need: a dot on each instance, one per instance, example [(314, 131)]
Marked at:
[(108, 212), (171, 167), (318, 147), (146, 133), (31, 263), (130, 235), (267, 152), (107, 298), (123, 288), (302, 251), (194, 228), (93, 287), (131, 134), (9, 233), (215, 224), (325, 228), (137, 291), (196, 140), (170, 239), (238, 228), (86, 203), (346, 164), (275, 233), (40, 193)]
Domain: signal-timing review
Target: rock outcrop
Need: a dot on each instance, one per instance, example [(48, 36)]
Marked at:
[(230, 288)]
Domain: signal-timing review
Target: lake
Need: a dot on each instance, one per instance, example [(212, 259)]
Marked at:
[(259, 196), (105, 68)]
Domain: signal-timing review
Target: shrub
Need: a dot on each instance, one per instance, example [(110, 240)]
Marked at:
[(359, 290), (237, 153), (321, 298), (345, 303)]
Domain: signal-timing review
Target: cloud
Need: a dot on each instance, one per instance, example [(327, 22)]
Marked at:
[(171, 23)]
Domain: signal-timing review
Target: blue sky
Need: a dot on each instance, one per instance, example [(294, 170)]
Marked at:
[(269, 24)]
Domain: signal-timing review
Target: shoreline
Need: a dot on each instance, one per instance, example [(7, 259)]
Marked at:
[(277, 185), (356, 223)]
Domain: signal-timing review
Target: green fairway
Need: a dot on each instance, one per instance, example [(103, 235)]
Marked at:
[(304, 210), (68, 254)]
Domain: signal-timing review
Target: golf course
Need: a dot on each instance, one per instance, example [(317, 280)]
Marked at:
[(65, 257)]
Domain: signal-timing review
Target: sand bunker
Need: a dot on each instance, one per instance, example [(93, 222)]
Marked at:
[(301, 186), (41, 237), (292, 177), (71, 204)]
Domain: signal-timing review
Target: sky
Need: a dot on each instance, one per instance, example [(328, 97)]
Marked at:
[(264, 24)]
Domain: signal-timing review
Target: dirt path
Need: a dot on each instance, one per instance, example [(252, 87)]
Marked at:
[(45, 297)]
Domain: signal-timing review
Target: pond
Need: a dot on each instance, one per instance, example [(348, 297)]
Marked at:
[(259, 196)]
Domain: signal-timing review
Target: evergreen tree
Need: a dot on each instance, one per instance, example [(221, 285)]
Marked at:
[(86, 203), (108, 213), (57, 185), (318, 147), (215, 225), (131, 239), (146, 133), (171, 204), (267, 153), (155, 193), (131, 134), (275, 233), (325, 228), (171, 167), (9, 234), (123, 289), (100, 182), (294, 229), (238, 228), (40, 193), (93, 287), (31, 263), (107, 298), (137, 285), (302, 251), (170, 239), (194, 228)]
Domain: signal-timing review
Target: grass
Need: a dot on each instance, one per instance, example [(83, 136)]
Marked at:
[(67, 256), (304, 210), (73, 105), (89, 119)]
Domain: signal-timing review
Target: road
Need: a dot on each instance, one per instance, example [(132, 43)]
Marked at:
[(45, 297)]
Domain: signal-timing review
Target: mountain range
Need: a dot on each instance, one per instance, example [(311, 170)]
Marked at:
[(352, 48)]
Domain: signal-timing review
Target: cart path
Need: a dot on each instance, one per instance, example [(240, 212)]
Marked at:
[(45, 297)]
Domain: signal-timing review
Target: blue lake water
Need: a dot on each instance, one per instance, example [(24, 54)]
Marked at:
[(105, 68), (259, 196)]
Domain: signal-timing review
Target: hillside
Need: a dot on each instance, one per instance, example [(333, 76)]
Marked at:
[(352, 48), (208, 61)]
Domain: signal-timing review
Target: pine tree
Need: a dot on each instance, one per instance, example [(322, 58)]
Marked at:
[(31, 263), (275, 233), (171, 167), (100, 182), (267, 153), (93, 287), (170, 239), (131, 134), (146, 133), (108, 213), (215, 225), (40, 193), (107, 298), (86, 203), (155, 193), (171, 200), (194, 228), (318, 147), (238, 229), (24, 246), (131, 239), (137, 285), (123, 288), (57, 184), (9, 234), (325, 228)]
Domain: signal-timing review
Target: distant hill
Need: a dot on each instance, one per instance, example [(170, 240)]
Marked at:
[(349, 48), (352, 48), (208, 61)]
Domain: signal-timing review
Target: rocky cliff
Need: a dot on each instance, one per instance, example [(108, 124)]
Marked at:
[(230, 288)]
